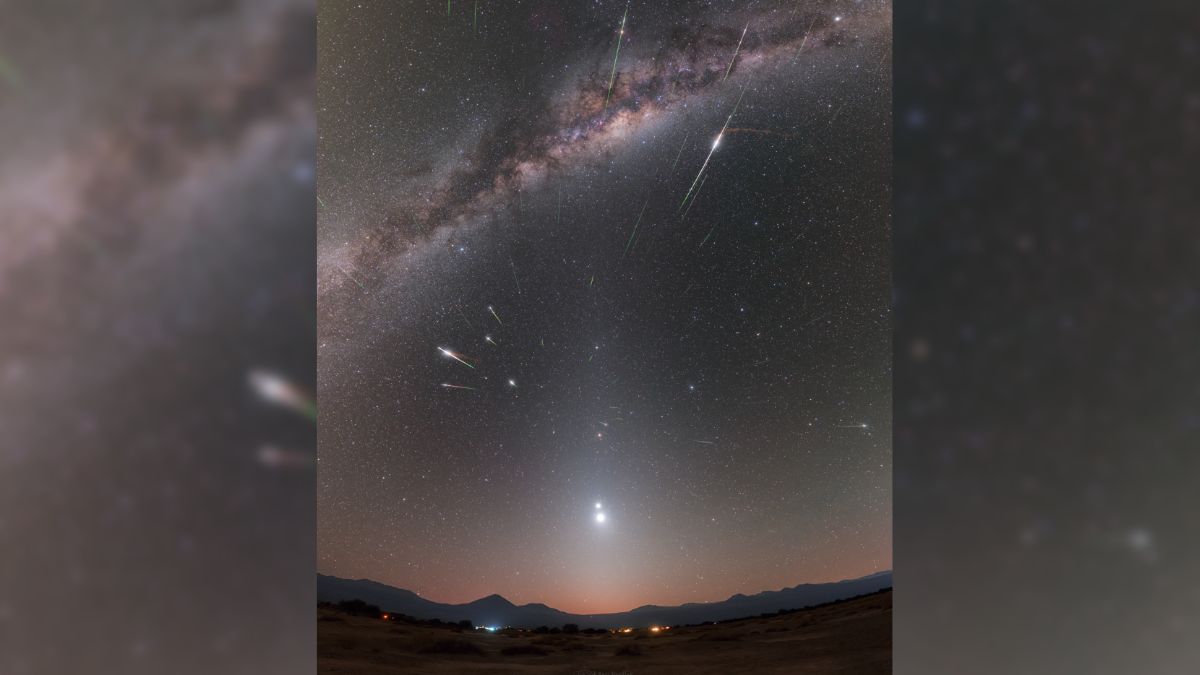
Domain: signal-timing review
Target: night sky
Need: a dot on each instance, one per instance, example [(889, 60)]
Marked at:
[(694, 335)]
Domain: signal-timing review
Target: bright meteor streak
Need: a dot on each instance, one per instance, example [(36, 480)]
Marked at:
[(276, 389), (454, 356), (716, 142), (612, 78), (456, 386), (735, 52), (495, 315)]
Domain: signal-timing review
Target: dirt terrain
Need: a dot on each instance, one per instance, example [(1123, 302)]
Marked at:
[(854, 636)]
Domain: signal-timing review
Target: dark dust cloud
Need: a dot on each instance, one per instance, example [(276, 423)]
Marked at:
[(547, 292)]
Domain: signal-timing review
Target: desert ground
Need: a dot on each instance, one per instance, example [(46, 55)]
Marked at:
[(853, 636)]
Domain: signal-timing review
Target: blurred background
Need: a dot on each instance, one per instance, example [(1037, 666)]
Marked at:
[(157, 257), (1047, 353), (157, 337)]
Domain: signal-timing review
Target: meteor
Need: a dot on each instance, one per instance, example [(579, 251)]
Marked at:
[(495, 315), (694, 198), (714, 149), (735, 52), (714, 229), (635, 228), (456, 386), (680, 153), (454, 356), (274, 388), (805, 40), (363, 288), (613, 77), (514, 273), (488, 338)]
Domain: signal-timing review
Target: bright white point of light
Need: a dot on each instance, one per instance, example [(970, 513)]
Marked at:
[(513, 383), (837, 18), (600, 517), (864, 425), (599, 505), (717, 141)]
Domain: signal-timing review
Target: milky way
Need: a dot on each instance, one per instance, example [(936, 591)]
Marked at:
[(704, 371)]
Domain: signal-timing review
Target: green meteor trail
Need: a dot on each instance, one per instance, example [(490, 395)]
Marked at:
[(714, 228), (495, 315), (514, 273), (612, 77), (635, 228)]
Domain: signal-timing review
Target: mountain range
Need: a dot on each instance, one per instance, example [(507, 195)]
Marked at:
[(495, 610)]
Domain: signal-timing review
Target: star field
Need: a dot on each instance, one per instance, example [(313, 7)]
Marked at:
[(572, 349)]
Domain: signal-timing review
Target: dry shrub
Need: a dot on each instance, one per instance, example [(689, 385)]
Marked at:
[(523, 650), (629, 650), (446, 645), (719, 637)]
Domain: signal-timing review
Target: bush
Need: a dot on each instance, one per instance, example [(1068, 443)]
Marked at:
[(450, 645), (466, 624), (570, 628), (359, 608), (523, 650), (629, 650)]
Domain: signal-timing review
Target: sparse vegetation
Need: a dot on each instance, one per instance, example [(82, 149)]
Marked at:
[(850, 637), (447, 645), (359, 608), (719, 637), (629, 650), (523, 650)]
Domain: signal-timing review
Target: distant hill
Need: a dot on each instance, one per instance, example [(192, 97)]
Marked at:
[(494, 610)]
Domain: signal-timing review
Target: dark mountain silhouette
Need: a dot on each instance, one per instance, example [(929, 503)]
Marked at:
[(495, 610)]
